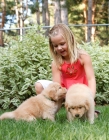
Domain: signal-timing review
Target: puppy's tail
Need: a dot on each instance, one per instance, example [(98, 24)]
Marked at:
[(7, 115)]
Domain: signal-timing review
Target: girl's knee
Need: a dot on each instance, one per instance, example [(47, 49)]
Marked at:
[(38, 87)]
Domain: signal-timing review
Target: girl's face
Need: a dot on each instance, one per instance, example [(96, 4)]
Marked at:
[(60, 46)]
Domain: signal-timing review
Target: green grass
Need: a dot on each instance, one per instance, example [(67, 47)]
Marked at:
[(59, 130)]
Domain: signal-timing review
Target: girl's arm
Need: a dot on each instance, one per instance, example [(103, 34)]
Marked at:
[(55, 73), (86, 60)]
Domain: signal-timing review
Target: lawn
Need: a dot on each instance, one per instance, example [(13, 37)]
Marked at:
[(59, 130)]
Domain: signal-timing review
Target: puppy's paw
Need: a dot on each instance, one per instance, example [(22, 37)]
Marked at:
[(92, 122)]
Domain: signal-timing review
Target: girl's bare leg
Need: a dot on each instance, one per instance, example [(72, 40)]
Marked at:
[(38, 87)]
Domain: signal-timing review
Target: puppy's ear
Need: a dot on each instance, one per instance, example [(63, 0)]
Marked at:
[(87, 105), (66, 106), (52, 94)]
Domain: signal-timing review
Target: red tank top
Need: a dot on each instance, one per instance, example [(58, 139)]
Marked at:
[(72, 74)]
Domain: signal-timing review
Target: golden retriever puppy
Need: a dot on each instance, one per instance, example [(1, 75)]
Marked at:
[(44, 105), (79, 103)]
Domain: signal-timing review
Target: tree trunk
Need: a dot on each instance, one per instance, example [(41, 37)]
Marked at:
[(90, 3), (85, 16), (93, 21), (108, 26), (21, 22), (17, 15), (47, 13), (3, 5), (37, 12), (64, 12), (22, 18), (57, 12), (43, 12)]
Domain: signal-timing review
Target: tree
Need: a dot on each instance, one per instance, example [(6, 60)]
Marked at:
[(17, 14), (3, 5), (37, 12), (64, 12), (60, 12), (45, 13), (93, 21), (57, 12), (90, 3), (21, 11), (85, 16)]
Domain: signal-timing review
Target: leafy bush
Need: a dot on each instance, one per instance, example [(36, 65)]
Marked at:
[(21, 65), (27, 61), (100, 62)]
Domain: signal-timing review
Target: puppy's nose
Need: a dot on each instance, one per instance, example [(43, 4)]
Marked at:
[(77, 115)]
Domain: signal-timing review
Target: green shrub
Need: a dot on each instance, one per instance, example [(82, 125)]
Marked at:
[(27, 61), (100, 60), (21, 65)]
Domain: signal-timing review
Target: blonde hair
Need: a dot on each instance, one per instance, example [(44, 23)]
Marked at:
[(67, 34)]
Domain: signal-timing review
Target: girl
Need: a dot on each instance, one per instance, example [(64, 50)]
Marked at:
[(70, 64)]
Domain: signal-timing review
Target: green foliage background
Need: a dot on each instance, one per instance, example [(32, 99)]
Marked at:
[(100, 62), (21, 65), (28, 61), (75, 16)]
